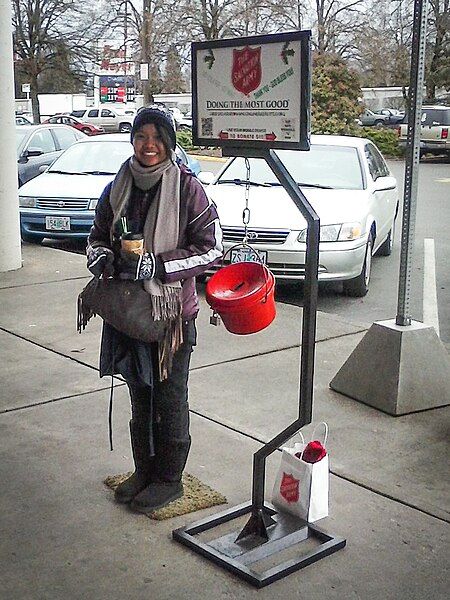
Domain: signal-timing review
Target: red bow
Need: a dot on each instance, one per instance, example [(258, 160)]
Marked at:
[(313, 452)]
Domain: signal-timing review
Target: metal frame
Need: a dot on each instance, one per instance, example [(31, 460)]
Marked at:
[(238, 557), (304, 37), (268, 532)]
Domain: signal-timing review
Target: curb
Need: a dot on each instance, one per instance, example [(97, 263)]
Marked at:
[(209, 158)]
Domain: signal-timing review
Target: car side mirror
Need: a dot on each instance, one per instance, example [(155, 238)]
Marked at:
[(385, 183), (206, 177), (33, 152)]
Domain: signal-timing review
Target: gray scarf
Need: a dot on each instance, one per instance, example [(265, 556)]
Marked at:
[(161, 233)]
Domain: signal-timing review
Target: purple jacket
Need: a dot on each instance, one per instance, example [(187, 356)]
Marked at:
[(199, 243)]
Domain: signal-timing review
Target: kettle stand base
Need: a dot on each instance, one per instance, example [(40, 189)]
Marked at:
[(246, 557)]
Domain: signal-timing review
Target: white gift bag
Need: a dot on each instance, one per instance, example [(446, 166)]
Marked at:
[(301, 488)]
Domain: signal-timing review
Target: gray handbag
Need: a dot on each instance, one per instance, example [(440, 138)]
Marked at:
[(123, 304)]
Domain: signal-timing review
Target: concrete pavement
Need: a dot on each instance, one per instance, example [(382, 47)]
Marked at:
[(61, 534)]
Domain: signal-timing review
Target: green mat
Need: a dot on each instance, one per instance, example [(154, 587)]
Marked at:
[(197, 495)]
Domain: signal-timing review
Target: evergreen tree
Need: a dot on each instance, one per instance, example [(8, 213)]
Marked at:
[(335, 95), (174, 81)]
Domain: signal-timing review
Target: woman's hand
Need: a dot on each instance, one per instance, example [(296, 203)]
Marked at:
[(136, 266), (100, 261)]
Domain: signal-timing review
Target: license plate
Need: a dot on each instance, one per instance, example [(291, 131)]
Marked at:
[(247, 255), (57, 223)]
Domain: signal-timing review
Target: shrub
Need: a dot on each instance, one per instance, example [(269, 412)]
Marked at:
[(386, 139), (184, 138)]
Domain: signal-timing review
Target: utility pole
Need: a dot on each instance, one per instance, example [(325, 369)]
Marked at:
[(125, 64), (146, 48)]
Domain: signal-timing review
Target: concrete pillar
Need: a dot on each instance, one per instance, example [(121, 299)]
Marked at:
[(10, 249)]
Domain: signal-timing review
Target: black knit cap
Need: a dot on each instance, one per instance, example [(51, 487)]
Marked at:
[(157, 117)]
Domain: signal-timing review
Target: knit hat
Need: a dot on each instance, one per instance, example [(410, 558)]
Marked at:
[(158, 117)]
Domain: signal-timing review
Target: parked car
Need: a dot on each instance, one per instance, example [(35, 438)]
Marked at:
[(61, 202), (369, 118), (349, 185), (185, 123), (434, 131), (65, 119), (39, 145), (21, 120), (107, 118), (394, 116)]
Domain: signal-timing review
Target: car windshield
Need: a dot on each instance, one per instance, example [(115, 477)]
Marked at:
[(93, 157), (336, 167)]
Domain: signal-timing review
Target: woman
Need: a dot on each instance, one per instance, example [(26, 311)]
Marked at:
[(154, 196)]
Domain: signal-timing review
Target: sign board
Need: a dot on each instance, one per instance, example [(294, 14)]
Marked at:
[(252, 91), (113, 88), (144, 71), (26, 88)]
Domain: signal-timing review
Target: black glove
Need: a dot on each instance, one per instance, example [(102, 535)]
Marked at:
[(100, 261), (136, 266)]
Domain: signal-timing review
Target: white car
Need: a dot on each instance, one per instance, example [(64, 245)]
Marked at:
[(349, 185), (60, 203)]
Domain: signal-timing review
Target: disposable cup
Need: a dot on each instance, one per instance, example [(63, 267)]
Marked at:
[(132, 242)]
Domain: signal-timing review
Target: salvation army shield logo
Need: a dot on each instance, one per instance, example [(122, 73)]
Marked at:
[(246, 71), (289, 488)]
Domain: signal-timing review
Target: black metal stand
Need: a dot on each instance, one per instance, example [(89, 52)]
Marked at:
[(268, 532)]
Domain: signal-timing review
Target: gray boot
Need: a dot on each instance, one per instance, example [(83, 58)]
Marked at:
[(144, 465), (171, 460)]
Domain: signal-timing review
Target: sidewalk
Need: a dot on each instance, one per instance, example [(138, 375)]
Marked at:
[(61, 534)]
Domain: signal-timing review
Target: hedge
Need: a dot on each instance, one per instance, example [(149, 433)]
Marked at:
[(386, 140)]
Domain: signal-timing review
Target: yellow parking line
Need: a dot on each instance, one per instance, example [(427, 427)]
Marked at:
[(208, 158), (444, 180)]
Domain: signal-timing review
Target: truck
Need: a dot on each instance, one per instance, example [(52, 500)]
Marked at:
[(51, 104), (108, 119), (434, 130)]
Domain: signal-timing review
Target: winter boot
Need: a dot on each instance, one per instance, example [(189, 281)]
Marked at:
[(171, 459), (144, 465)]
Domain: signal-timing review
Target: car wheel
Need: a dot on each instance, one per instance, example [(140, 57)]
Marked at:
[(86, 130), (31, 238), (386, 247), (359, 286), (124, 127), (379, 123)]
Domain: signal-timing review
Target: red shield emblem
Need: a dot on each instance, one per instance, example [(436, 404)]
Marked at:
[(246, 71), (289, 488)]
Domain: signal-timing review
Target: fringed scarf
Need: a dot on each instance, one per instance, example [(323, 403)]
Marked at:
[(161, 233)]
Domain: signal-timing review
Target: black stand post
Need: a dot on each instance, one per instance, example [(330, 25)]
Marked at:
[(268, 532)]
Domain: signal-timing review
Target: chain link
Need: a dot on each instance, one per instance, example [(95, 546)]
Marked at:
[(246, 211)]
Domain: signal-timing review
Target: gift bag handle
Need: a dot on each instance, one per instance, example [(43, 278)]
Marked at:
[(302, 438), (313, 437), (325, 435)]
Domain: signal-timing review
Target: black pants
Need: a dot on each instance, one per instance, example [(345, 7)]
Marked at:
[(164, 410)]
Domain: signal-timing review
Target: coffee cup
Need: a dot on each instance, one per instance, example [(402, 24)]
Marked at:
[(132, 242)]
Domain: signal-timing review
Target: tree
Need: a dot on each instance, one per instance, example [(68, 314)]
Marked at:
[(174, 81), (384, 44), (63, 78), (335, 95), (336, 22), (160, 27), (438, 72), (40, 25)]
